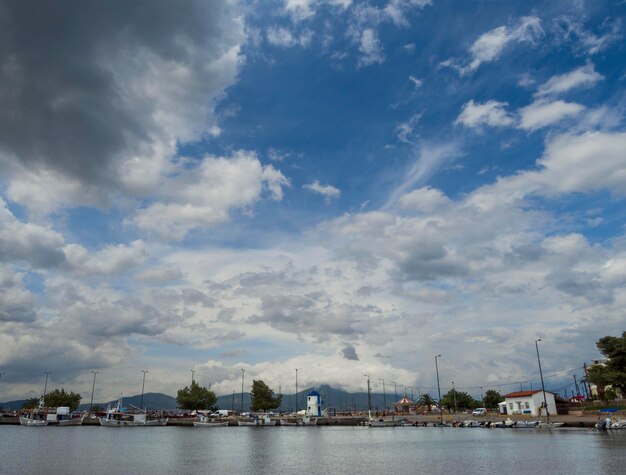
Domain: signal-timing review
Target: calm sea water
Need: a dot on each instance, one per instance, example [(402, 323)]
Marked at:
[(237, 450)]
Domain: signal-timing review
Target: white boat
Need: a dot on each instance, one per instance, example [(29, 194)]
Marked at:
[(611, 423), (287, 422), (260, 421), (526, 424), (549, 425), (509, 423), (42, 416), (119, 417), (63, 417), (307, 421), (205, 421), (471, 423), (28, 422)]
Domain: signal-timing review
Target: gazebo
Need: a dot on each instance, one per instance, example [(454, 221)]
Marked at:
[(405, 406)]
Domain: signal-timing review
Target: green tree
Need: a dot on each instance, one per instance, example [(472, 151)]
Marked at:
[(263, 398), (613, 372), (426, 400), (59, 398), (195, 397), (463, 400), (31, 403), (492, 398)]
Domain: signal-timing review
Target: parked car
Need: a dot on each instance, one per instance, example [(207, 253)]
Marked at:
[(479, 411)]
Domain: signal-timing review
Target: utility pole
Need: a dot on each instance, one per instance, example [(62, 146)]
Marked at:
[(588, 384), (369, 398), (384, 394), (454, 396), (243, 371), (296, 390), (543, 388), (143, 384), (93, 388), (439, 389), (45, 386)]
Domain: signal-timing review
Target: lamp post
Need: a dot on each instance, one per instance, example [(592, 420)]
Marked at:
[(369, 399), (384, 394), (454, 396), (143, 384), (243, 371), (438, 389), (543, 388), (193, 372), (395, 390), (482, 396), (296, 390), (45, 386), (93, 387)]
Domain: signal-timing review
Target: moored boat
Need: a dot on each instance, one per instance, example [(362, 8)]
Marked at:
[(118, 416), (205, 421), (262, 420)]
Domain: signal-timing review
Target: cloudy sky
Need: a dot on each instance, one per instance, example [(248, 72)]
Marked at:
[(342, 187)]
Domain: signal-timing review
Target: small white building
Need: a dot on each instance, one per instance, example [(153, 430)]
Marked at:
[(529, 402), (314, 404)]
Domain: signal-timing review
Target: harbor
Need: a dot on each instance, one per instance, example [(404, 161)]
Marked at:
[(323, 449)]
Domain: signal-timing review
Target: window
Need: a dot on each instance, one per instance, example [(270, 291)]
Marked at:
[(527, 405)]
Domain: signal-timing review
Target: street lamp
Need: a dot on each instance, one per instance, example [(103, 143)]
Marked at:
[(243, 371), (395, 391), (384, 394), (296, 390), (438, 389), (369, 398), (454, 396), (545, 402), (482, 396), (45, 386), (93, 387), (143, 384)]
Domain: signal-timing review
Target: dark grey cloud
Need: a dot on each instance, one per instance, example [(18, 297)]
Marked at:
[(17, 304), (349, 353), (309, 314), (75, 91)]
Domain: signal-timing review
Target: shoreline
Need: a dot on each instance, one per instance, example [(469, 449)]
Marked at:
[(584, 421)]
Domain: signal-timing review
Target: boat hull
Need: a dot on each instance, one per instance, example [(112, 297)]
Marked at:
[(130, 423), (210, 424), (25, 421)]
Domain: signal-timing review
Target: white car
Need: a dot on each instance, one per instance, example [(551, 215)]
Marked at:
[(479, 411)]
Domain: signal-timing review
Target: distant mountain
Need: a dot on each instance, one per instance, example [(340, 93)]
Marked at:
[(12, 405), (332, 398), (150, 400)]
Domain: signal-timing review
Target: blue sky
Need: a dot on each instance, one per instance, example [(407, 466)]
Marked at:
[(342, 187)]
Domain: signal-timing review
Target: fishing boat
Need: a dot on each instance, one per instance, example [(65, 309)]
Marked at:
[(119, 416), (29, 422), (206, 421), (42, 416), (260, 421)]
